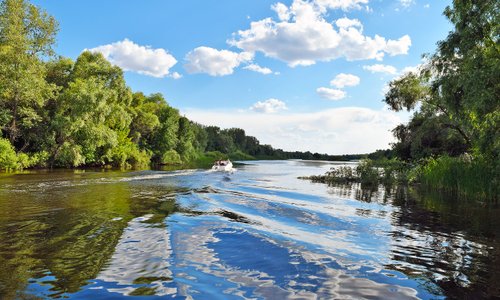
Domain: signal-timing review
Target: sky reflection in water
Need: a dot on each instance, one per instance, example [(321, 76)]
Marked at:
[(259, 233)]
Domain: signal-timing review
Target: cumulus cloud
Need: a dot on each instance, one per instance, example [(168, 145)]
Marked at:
[(282, 11), (258, 69), (343, 80), (341, 4), (269, 106), (387, 69), (398, 47), (379, 68), (136, 58), (331, 94), (214, 62), (346, 23), (176, 75), (303, 36), (334, 131), (407, 3)]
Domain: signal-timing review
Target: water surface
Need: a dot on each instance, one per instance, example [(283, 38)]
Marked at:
[(259, 233)]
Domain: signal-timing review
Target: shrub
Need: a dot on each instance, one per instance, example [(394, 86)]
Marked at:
[(367, 172), (127, 154), (239, 155), (69, 155), (8, 157), (171, 157)]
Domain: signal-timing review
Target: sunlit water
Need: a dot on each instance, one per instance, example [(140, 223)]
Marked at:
[(259, 233)]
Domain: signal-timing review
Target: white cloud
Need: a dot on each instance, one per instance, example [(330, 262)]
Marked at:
[(427, 5), (331, 94), (413, 69), (379, 68), (346, 23), (407, 3), (341, 4), (176, 75), (269, 106), (398, 47), (282, 11), (302, 35), (343, 80), (136, 58), (214, 62), (258, 69), (334, 131)]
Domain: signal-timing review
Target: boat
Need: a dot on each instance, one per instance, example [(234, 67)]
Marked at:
[(223, 165)]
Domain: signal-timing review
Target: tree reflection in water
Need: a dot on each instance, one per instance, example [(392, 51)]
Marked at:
[(454, 243), (60, 239)]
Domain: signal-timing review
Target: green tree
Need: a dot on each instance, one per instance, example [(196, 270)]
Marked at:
[(185, 137), (145, 120), (26, 36), (91, 122), (200, 137), (238, 136), (459, 86), (165, 136)]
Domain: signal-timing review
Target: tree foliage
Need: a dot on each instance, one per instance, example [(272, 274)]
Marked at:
[(26, 36), (458, 89)]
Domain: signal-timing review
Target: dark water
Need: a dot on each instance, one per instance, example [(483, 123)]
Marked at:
[(260, 233)]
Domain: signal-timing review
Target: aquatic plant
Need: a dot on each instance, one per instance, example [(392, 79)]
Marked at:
[(367, 172), (466, 177)]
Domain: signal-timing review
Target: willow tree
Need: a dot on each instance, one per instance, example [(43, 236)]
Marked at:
[(26, 38), (458, 88), (91, 119)]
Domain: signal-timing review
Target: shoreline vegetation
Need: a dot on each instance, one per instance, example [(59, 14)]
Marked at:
[(457, 176), (452, 141)]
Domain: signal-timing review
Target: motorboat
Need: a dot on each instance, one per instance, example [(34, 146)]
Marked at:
[(223, 165)]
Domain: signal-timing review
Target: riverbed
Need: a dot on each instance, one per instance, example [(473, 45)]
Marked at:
[(257, 233)]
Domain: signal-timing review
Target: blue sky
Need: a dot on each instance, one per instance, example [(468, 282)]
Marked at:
[(299, 75)]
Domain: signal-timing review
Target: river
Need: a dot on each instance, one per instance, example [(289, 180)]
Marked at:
[(259, 233)]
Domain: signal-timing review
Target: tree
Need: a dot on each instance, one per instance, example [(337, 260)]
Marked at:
[(165, 137), (91, 119), (238, 136), (200, 137), (458, 88), (185, 137), (26, 36), (145, 120)]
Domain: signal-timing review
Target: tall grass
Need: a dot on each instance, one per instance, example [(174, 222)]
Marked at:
[(471, 178)]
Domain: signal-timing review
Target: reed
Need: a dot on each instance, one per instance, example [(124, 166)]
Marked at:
[(464, 176)]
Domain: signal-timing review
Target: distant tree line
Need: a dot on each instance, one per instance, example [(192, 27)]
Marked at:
[(234, 141)]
